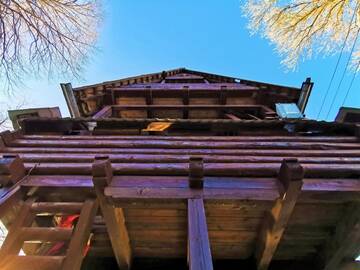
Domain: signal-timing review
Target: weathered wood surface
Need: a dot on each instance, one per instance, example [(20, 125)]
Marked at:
[(150, 185), (290, 183), (350, 139), (210, 169), (185, 144), (75, 252), (114, 218), (199, 245)]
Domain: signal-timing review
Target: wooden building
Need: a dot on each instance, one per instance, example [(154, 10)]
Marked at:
[(181, 170)]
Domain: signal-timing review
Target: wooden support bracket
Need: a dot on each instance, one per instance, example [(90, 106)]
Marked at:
[(198, 239), (344, 245), (114, 217), (196, 172), (11, 170), (290, 183)]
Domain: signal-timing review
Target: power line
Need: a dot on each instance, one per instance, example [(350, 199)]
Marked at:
[(338, 61), (351, 84), (343, 75)]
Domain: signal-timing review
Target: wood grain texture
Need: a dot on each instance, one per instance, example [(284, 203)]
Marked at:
[(198, 239), (75, 252), (290, 182), (114, 218)]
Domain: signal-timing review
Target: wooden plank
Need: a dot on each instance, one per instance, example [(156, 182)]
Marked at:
[(75, 252), (188, 151), (45, 234), (114, 218), (57, 207), (210, 169), (290, 182), (344, 244), (343, 139), (175, 158), (32, 262), (186, 144), (198, 238)]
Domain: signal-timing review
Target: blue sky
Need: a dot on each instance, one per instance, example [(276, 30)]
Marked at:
[(142, 36)]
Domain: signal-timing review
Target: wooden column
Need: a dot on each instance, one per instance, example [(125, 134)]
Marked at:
[(114, 217), (275, 222), (198, 239), (199, 253), (196, 172), (186, 101), (70, 99), (344, 245), (149, 101)]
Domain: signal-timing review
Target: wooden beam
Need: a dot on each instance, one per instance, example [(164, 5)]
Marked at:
[(290, 182), (198, 239), (114, 218), (105, 112), (344, 245)]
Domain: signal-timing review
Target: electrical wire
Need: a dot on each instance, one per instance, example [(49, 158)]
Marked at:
[(351, 84), (337, 63), (343, 75)]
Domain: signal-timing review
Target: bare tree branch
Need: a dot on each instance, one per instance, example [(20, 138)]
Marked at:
[(46, 37)]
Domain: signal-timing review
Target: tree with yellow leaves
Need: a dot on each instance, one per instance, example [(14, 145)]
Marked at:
[(301, 29), (45, 37)]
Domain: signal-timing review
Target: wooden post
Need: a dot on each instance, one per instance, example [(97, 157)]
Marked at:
[(198, 238), (196, 172), (11, 170), (70, 99), (344, 245), (80, 237), (275, 222), (114, 217)]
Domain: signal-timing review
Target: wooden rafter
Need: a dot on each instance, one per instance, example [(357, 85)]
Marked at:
[(290, 183)]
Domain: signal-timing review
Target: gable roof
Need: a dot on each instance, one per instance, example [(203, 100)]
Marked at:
[(173, 73)]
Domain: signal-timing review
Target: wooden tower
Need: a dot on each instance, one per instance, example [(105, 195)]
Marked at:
[(181, 170)]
